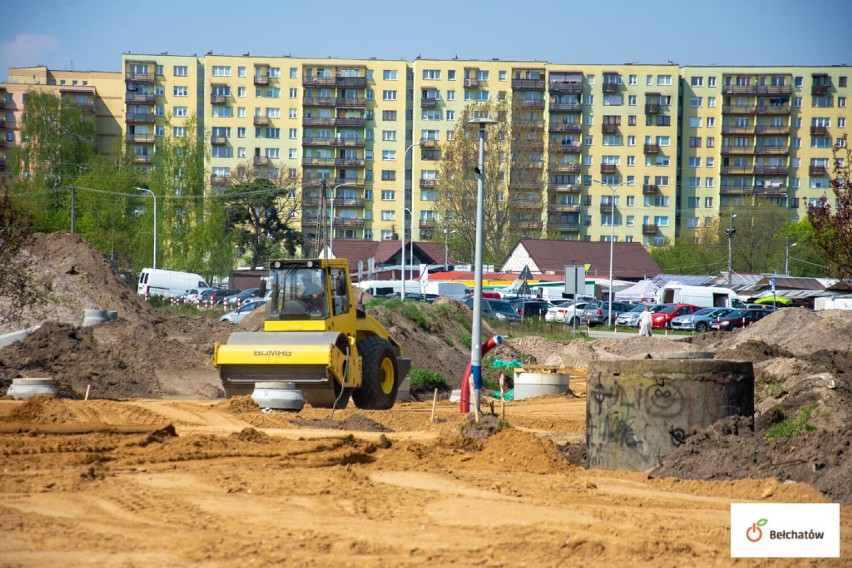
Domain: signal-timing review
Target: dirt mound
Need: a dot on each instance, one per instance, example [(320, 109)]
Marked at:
[(50, 410), (355, 422), (514, 450)]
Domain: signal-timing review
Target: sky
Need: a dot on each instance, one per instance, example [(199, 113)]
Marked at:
[(92, 34)]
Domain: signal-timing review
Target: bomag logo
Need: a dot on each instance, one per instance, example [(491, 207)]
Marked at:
[(272, 353)]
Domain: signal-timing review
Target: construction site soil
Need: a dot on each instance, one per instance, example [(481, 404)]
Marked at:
[(156, 469)]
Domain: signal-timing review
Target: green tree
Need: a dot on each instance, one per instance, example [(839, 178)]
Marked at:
[(57, 144), (758, 243), (457, 184), (832, 226), (261, 212), (688, 258)]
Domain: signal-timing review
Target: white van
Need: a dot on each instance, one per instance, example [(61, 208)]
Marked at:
[(703, 296), (168, 283)]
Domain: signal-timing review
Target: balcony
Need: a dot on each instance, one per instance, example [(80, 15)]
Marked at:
[(528, 84), (771, 150), (428, 223), (771, 130), (132, 97), (739, 90), (739, 130), (650, 189), (609, 128), (341, 142), (219, 181), (471, 83), (140, 118), (351, 102), (318, 121), (262, 121), (607, 208), (261, 80), (571, 148), (140, 138), (428, 143), (532, 103), (820, 90), (819, 131), (564, 226), (525, 203), (351, 222), (319, 101), (218, 140), (218, 99), (770, 170), (817, 170), (350, 122), (609, 168), (261, 161), (652, 148), (730, 109), (528, 164), (650, 229), (735, 190), (562, 127), (143, 159), (772, 109), (736, 170), (350, 202), (574, 108), (769, 190), (430, 155), (652, 108), (565, 87), (737, 150), (430, 183), (314, 161), (349, 162), (525, 223), (559, 167), (564, 187), (139, 77), (345, 82), (428, 103), (318, 141), (610, 88), (557, 208)]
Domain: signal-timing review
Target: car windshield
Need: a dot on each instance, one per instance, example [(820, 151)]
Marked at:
[(637, 309), (502, 308), (706, 311), (668, 309), (736, 313)]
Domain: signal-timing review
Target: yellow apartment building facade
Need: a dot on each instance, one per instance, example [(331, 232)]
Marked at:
[(642, 153)]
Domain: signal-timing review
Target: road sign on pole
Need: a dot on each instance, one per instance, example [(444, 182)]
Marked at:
[(575, 280)]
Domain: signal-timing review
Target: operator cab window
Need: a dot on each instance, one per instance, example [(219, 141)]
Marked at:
[(299, 293), (340, 291)]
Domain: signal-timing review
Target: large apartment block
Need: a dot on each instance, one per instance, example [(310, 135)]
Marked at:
[(645, 153)]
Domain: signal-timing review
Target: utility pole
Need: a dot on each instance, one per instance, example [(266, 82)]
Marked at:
[(730, 232)]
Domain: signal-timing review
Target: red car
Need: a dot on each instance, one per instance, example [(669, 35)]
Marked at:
[(663, 318)]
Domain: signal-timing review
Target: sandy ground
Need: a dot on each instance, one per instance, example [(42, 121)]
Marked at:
[(152, 482)]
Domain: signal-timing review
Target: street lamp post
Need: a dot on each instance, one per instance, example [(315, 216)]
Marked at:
[(476, 334), (730, 232), (410, 249), (331, 224), (787, 255), (613, 188), (155, 219), (402, 212), (447, 248)]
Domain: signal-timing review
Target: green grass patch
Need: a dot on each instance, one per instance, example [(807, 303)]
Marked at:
[(425, 378), (799, 425)]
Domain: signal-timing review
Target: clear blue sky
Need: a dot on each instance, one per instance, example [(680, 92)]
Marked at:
[(92, 34)]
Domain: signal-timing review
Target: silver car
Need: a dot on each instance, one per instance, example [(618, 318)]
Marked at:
[(631, 318), (237, 315), (700, 320)]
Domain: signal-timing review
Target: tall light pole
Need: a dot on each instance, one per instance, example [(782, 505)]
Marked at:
[(402, 212), (331, 224), (447, 248), (787, 255), (476, 334), (410, 249), (613, 188), (154, 195), (730, 232)]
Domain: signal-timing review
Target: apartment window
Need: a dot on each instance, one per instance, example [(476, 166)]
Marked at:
[(388, 175), (159, 132), (694, 162), (241, 92), (631, 79), (693, 202), (181, 91), (841, 82), (631, 100), (241, 71), (181, 111), (821, 142), (451, 75), (695, 102), (273, 112), (708, 182), (293, 133), (388, 195), (711, 81), (294, 72), (388, 155), (221, 71), (451, 135), (388, 115), (451, 95), (501, 76), (695, 122), (631, 120), (241, 152), (631, 160), (179, 131), (432, 74), (631, 140), (389, 95), (241, 132), (389, 135), (180, 70), (388, 215), (273, 153), (694, 182), (841, 102), (293, 153), (389, 74), (273, 132), (711, 142), (663, 80), (294, 93), (451, 115), (431, 114), (696, 81), (711, 122)]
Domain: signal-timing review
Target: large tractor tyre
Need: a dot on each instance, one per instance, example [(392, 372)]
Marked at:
[(380, 381)]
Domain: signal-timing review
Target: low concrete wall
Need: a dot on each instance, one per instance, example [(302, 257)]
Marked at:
[(637, 411)]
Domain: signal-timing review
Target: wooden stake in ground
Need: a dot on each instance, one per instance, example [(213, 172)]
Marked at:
[(434, 402), (502, 398), (87, 392)]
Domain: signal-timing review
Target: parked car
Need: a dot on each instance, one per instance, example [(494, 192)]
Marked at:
[(531, 307), (737, 319), (566, 312), (237, 315), (663, 318), (631, 318), (496, 309), (241, 297), (699, 321), (597, 312)]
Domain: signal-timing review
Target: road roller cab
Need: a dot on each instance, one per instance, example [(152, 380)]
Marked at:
[(315, 337)]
